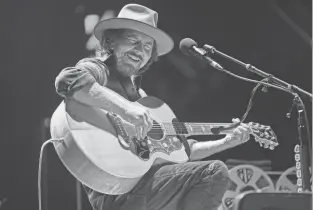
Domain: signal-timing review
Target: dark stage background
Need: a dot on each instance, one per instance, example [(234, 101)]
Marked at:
[(40, 37)]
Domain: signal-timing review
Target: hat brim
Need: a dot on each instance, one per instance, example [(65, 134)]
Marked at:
[(163, 41)]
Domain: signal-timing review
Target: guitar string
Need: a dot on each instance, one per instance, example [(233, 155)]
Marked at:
[(181, 124), (178, 127), (175, 132), (159, 130), (170, 125)]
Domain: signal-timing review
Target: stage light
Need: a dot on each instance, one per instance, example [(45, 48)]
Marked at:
[(90, 22)]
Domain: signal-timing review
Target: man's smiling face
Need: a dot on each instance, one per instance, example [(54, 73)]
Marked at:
[(132, 50)]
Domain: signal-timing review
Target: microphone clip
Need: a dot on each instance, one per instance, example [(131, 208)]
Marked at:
[(209, 48)]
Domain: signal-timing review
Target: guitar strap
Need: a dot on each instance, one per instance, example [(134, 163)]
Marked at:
[(183, 139)]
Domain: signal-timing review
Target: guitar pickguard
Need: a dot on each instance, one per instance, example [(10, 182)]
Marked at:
[(155, 141), (146, 148)]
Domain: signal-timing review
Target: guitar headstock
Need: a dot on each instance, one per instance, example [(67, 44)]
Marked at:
[(264, 135)]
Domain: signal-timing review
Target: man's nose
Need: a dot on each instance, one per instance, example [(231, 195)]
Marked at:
[(139, 46), (138, 50)]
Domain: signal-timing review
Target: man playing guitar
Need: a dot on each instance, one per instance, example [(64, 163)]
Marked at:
[(130, 43)]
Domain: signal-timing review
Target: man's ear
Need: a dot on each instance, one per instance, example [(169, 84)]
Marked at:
[(109, 42)]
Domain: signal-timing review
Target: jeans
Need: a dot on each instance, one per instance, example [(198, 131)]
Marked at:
[(188, 186)]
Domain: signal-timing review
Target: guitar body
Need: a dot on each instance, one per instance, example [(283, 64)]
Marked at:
[(100, 154)]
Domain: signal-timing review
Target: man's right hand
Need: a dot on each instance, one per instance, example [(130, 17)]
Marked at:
[(140, 118)]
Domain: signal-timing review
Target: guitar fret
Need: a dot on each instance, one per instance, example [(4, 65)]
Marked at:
[(196, 127), (197, 130), (190, 127)]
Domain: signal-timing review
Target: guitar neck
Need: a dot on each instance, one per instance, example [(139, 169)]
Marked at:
[(189, 129)]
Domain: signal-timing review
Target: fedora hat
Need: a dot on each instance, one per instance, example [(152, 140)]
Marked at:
[(139, 18)]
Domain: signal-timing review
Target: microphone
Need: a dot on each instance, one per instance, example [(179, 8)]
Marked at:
[(190, 47)]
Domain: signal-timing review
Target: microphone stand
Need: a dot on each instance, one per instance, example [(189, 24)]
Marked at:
[(305, 160), (255, 70), (304, 147)]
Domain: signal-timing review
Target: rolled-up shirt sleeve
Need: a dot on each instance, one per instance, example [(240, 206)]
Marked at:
[(85, 72)]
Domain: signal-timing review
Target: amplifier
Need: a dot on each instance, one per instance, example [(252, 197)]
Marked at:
[(273, 201)]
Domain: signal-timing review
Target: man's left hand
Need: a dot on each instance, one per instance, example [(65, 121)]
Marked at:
[(239, 136)]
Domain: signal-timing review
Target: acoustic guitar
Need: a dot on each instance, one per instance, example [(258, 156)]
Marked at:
[(99, 152)]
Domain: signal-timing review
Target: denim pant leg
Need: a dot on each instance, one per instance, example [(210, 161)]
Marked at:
[(189, 186), (208, 193)]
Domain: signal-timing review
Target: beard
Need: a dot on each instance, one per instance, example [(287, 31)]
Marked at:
[(124, 65)]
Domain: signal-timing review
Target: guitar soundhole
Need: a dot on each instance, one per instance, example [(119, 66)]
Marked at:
[(156, 133)]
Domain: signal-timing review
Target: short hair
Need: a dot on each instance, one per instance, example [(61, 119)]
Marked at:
[(106, 49)]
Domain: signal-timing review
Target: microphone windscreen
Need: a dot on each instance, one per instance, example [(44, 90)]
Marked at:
[(186, 44)]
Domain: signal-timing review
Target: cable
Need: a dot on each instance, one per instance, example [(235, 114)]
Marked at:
[(249, 106), (261, 82), (40, 167), (250, 100)]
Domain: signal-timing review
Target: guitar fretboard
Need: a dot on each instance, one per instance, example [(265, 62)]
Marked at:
[(181, 128)]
